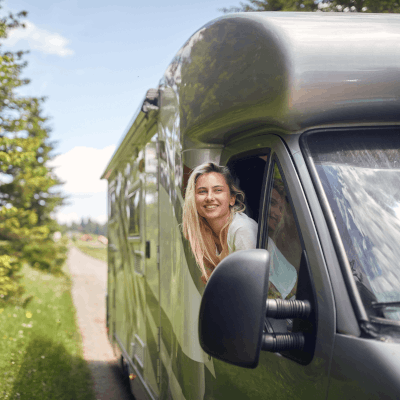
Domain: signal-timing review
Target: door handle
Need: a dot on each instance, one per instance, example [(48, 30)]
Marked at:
[(147, 248)]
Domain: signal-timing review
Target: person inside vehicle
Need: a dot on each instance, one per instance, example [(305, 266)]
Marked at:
[(214, 221), (283, 274)]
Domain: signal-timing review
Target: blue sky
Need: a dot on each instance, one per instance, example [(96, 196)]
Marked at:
[(94, 61)]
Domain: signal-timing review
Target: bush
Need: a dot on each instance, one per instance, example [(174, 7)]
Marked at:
[(46, 254), (9, 284)]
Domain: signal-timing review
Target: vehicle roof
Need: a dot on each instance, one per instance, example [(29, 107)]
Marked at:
[(286, 70), (282, 71)]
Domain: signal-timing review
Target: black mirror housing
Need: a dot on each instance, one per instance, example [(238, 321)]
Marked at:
[(233, 308)]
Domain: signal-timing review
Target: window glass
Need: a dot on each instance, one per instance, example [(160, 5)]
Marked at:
[(111, 204), (360, 173), (133, 211), (284, 243)]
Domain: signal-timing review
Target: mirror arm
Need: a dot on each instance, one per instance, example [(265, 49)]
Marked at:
[(276, 342), (282, 309)]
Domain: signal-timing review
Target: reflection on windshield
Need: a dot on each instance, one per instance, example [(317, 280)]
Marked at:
[(368, 203), (363, 188)]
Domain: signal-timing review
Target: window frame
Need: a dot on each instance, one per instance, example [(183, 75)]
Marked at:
[(112, 204), (301, 357), (136, 187)]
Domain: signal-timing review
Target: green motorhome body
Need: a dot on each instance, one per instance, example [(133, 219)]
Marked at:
[(311, 100)]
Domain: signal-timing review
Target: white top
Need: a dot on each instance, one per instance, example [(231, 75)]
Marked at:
[(242, 235), (281, 273)]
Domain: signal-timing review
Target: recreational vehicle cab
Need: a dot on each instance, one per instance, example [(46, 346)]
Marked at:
[(304, 104)]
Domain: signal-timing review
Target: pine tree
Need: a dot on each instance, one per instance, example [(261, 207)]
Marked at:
[(274, 5), (374, 6), (27, 184)]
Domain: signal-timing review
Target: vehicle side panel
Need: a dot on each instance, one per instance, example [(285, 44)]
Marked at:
[(364, 369)]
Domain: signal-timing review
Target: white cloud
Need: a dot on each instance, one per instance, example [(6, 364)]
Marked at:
[(40, 39), (67, 218), (101, 219), (81, 168)]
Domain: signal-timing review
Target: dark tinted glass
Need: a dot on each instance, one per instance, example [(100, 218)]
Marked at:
[(134, 213)]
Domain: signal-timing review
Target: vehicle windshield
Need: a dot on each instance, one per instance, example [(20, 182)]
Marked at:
[(360, 174)]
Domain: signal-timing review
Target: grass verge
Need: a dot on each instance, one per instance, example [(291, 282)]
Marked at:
[(93, 250), (40, 345)]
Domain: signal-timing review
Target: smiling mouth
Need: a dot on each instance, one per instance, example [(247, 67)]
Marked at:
[(273, 221), (210, 207)]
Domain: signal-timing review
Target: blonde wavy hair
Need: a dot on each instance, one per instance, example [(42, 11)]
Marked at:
[(196, 228)]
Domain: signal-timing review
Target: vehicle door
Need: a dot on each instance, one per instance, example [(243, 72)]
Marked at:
[(298, 271)]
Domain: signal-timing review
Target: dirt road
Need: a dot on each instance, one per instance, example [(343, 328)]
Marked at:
[(88, 292)]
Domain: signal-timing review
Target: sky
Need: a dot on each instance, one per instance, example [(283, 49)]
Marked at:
[(94, 62)]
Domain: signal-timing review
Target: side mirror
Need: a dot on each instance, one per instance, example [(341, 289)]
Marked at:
[(233, 308)]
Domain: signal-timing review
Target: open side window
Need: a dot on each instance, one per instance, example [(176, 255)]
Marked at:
[(248, 171)]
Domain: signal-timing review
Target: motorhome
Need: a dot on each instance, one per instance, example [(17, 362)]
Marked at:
[(309, 103)]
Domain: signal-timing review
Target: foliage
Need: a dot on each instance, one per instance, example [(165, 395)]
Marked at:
[(27, 194), (274, 5), (374, 6), (47, 254), (40, 345), (8, 266)]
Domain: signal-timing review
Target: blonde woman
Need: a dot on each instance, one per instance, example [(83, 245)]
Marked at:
[(213, 218)]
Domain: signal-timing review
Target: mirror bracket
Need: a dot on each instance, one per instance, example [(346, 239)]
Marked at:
[(282, 309), (277, 342)]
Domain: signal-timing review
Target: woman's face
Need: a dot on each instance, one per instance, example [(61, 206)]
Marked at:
[(276, 210), (213, 197)]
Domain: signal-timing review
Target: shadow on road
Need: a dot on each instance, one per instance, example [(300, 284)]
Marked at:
[(110, 383)]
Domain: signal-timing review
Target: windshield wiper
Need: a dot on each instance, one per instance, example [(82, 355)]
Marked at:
[(384, 304), (385, 321)]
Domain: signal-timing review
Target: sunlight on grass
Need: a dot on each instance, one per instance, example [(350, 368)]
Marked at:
[(40, 345), (92, 249)]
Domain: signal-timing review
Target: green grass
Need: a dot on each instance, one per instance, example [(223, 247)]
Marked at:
[(40, 346), (92, 249)]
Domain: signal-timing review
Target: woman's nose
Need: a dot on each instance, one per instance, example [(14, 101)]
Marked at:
[(210, 195), (277, 212)]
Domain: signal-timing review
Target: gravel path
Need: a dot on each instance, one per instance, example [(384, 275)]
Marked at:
[(89, 278)]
